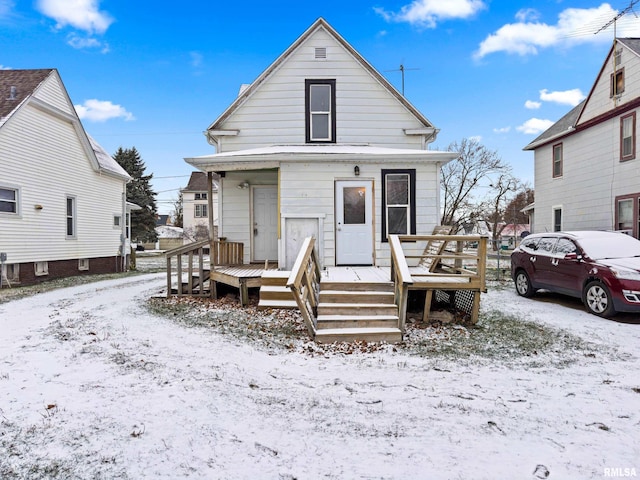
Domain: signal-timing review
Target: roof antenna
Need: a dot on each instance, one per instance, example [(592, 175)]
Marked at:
[(614, 21), (402, 69)]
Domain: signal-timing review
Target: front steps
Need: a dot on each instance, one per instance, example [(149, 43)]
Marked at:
[(347, 311), (274, 292), (357, 311)]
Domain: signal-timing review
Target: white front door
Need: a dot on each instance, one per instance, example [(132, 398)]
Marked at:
[(265, 223), (354, 222)]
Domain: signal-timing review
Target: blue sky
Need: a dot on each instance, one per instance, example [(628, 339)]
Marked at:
[(154, 75)]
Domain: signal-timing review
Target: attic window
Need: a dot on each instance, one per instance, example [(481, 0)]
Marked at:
[(320, 108), (617, 83), (320, 53), (617, 57)]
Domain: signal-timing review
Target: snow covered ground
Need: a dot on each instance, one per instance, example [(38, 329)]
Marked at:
[(94, 386)]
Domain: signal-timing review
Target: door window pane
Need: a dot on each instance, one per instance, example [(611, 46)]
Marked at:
[(354, 205)]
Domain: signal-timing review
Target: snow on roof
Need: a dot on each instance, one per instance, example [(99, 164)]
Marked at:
[(106, 161), (167, 231)]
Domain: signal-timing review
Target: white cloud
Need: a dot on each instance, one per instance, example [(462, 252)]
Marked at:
[(531, 105), (427, 13), (502, 130), (527, 14), (534, 126), (527, 36), (568, 97), (476, 138), (78, 42), (80, 14), (101, 111)]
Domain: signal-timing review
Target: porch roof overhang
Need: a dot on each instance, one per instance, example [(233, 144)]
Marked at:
[(271, 156)]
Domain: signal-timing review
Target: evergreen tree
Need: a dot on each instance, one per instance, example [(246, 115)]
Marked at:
[(143, 222)]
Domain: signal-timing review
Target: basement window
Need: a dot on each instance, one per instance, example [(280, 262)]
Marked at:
[(83, 264), (41, 268)]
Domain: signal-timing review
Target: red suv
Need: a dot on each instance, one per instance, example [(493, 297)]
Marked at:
[(601, 268)]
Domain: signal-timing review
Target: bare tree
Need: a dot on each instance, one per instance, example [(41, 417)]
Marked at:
[(196, 233), (461, 177), (178, 212)]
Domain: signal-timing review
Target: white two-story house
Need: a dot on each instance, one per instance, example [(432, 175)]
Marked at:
[(63, 208), (320, 144), (587, 167), (195, 207)]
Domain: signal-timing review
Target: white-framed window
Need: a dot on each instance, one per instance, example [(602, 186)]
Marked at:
[(9, 200), (557, 160), (320, 106), (557, 219), (71, 216), (628, 214), (117, 221), (628, 137), (83, 264), (200, 196), (200, 211), (41, 268)]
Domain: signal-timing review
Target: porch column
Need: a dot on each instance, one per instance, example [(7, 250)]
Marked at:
[(212, 284)]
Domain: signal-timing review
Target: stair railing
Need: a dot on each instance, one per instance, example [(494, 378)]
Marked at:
[(304, 282), (191, 249), (401, 278)]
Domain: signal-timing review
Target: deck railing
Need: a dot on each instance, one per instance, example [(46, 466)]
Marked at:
[(456, 269), (197, 273), (304, 282)]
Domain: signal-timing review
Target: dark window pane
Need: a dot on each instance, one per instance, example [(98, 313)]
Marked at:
[(398, 189), (7, 194), (7, 207), (397, 220), (319, 126), (354, 205), (69, 226)]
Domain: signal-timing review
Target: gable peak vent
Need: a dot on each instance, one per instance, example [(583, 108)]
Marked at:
[(320, 53)]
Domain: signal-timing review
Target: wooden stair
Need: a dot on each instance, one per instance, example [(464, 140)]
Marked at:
[(274, 292), (199, 286), (357, 311)]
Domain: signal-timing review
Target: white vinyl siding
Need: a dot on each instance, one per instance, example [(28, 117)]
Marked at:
[(366, 112), (47, 171)]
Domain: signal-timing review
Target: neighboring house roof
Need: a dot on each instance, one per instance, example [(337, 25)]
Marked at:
[(562, 127), (259, 157), (18, 87), (572, 120), (198, 182), (162, 220), (167, 231), (320, 23)]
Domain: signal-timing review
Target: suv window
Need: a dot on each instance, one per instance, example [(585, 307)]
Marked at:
[(565, 246), (530, 243), (546, 244)]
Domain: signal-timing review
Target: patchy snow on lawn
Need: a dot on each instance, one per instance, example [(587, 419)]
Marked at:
[(93, 385)]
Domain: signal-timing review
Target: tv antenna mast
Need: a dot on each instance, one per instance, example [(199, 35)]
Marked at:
[(614, 21), (402, 69)]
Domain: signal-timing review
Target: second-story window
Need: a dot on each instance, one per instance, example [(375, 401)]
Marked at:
[(320, 106), (557, 160), (628, 137), (200, 211)]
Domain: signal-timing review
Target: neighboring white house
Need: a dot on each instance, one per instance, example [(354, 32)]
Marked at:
[(587, 167), (321, 144), (195, 206), (63, 207)]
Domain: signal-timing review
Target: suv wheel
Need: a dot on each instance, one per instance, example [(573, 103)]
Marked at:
[(597, 299), (523, 284)]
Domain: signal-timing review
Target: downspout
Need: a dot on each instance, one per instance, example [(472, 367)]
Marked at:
[(123, 226)]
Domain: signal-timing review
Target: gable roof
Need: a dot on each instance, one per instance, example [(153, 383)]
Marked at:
[(559, 129), (18, 87), (572, 121), (320, 23), (198, 182)]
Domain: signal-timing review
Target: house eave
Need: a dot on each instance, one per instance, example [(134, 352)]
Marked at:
[(272, 157)]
